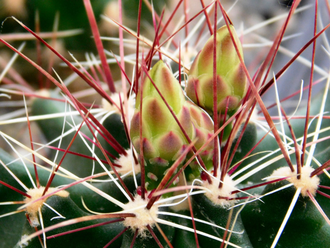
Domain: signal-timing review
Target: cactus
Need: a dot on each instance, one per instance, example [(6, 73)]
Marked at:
[(186, 166)]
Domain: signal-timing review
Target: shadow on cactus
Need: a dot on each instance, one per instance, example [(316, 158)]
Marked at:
[(189, 165)]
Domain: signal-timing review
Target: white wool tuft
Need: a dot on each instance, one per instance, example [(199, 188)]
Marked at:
[(228, 187), (143, 216), (306, 183)]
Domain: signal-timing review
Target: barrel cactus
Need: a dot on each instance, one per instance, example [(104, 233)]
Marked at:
[(197, 161)]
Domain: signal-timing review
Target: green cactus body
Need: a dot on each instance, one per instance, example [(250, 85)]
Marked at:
[(306, 227), (182, 237), (92, 237), (214, 207)]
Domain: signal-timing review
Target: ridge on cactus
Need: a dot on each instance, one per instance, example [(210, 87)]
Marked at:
[(230, 76)]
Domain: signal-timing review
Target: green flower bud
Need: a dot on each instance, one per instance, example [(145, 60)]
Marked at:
[(162, 139), (203, 129), (161, 135), (231, 79)]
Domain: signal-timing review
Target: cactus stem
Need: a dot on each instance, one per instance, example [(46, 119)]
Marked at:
[(156, 239), (59, 164), (116, 237), (11, 213), (260, 185), (74, 221), (111, 199), (195, 219), (7, 138), (165, 222), (170, 172), (82, 155), (124, 189), (227, 227), (86, 227)]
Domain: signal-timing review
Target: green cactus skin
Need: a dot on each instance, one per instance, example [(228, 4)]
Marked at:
[(184, 238), (207, 210), (9, 234), (305, 228), (255, 216), (93, 237)]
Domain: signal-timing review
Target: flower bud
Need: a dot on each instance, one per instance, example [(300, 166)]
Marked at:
[(162, 137), (230, 77), (203, 129)]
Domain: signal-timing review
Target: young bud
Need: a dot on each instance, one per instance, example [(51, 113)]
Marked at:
[(203, 129), (161, 134), (231, 80)]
